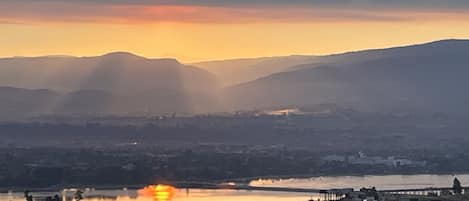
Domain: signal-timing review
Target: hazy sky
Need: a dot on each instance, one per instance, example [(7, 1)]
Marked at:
[(193, 30)]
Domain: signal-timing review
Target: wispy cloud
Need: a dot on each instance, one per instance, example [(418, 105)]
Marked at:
[(9, 22), (248, 3), (221, 11)]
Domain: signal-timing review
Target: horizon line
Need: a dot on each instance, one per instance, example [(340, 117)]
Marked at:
[(208, 60)]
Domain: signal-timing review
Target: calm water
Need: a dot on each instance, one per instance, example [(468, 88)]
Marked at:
[(381, 182), (357, 182), (182, 195)]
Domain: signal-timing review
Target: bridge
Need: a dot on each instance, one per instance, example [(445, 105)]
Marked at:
[(424, 191), (324, 194)]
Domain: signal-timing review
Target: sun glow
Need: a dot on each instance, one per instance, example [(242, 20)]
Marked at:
[(197, 32), (158, 192)]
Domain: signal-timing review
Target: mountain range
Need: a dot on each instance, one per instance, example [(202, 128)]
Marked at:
[(113, 83), (426, 77), (237, 71)]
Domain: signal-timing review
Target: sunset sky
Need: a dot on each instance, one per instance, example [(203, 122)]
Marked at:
[(195, 30)]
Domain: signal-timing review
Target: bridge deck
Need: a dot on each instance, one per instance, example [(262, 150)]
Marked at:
[(194, 185)]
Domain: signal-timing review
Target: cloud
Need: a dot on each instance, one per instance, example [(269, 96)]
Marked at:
[(220, 11), (243, 3), (9, 22)]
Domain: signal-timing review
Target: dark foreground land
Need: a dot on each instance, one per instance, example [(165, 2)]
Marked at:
[(54, 151)]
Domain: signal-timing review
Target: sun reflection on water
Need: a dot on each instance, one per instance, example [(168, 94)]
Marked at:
[(158, 192), (149, 193)]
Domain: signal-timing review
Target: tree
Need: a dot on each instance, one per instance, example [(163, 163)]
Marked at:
[(78, 195), (28, 196), (457, 189)]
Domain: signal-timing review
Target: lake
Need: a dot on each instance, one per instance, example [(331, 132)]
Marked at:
[(327, 182)]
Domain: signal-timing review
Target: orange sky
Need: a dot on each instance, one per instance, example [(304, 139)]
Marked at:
[(196, 32)]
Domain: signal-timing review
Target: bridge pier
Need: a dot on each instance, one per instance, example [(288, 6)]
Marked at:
[(329, 197)]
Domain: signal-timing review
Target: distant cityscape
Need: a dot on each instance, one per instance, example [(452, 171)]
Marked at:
[(325, 141)]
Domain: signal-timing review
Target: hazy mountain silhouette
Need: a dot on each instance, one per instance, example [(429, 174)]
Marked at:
[(115, 82), (428, 77), (16, 102), (236, 71)]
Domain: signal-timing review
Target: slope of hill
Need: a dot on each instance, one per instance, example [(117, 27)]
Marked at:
[(16, 102), (116, 82), (427, 77), (236, 71)]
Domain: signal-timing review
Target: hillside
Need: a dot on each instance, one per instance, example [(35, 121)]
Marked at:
[(236, 71), (428, 77), (116, 82)]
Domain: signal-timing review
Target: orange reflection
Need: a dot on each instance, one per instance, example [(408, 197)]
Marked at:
[(158, 192)]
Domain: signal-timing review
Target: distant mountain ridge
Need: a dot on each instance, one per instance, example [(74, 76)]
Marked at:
[(115, 82), (236, 71), (425, 77), (112, 72)]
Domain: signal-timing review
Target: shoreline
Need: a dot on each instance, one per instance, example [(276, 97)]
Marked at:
[(247, 180), (307, 176)]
